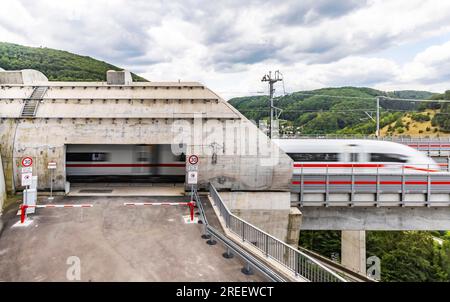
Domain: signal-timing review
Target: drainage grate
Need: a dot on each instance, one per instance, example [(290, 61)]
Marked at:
[(95, 191)]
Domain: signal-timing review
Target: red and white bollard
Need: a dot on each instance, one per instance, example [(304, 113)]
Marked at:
[(23, 213), (191, 205)]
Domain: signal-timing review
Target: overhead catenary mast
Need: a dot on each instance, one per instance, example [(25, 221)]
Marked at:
[(272, 80)]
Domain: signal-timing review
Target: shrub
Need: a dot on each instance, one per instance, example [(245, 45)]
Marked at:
[(418, 117), (399, 124)]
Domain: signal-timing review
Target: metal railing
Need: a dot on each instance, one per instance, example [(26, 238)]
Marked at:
[(294, 260), (235, 248), (309, 178)]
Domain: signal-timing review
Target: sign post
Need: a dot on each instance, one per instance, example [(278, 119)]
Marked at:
[(52, 167), (27, 175), (192, 169)]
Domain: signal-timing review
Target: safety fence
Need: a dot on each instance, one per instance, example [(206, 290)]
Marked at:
[(294, 260)]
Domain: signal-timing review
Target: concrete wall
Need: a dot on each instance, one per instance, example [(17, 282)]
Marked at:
[(373, 218), (45, 141), (268, 211), (26, 76), (118, 77), (2, 187)]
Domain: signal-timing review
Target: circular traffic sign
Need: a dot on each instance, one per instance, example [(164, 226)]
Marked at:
[(27, 161), (193, 159)]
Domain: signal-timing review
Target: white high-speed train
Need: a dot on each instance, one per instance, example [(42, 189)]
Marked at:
[(355, 156)]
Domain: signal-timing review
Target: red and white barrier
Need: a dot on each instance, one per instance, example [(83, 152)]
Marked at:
[(190, 204), (24, 207), (155, 203)]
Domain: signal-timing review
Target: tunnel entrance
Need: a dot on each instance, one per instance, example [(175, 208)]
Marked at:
[(144, 163)]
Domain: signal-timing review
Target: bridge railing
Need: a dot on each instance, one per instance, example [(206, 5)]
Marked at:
[(423, 180), (294, 260)]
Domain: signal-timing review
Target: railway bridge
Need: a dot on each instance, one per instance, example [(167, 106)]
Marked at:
[(354, 202)]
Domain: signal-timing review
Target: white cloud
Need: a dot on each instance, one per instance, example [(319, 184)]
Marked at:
[(230, 45)]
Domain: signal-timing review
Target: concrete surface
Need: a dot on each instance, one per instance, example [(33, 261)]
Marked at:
[(113, 243), (125, 189), (373, 218), (353, 250)]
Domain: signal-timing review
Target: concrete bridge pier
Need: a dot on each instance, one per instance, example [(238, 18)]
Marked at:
[(353, 250)]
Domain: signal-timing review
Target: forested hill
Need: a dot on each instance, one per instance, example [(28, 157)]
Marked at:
[(57, 65), (331, 110)]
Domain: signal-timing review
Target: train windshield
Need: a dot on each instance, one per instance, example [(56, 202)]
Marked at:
[(312, 157), (388, 157)]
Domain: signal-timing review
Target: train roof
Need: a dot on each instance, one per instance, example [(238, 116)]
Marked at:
[(342, 145)]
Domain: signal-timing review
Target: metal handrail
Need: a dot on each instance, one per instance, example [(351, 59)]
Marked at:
[(236, 249), (292, 259), (264, 269)]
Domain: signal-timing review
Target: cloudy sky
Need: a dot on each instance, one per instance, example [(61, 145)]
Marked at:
[(230, 45)]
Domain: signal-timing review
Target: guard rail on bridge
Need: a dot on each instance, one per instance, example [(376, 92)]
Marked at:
[(300, 264), (370, 187)]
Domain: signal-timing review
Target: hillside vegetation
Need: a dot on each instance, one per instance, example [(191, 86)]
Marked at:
[(414, 256), (57, 65), (346, 110)]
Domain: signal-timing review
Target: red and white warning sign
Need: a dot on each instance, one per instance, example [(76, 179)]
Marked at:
[(27, 161), (193, 159)]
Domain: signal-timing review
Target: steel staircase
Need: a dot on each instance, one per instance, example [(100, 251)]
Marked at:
[(31, 104)]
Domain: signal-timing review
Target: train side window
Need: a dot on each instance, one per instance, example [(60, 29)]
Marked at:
[(99, 157), (388, 157), (354, 157), (314, 157), (87, 156)]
